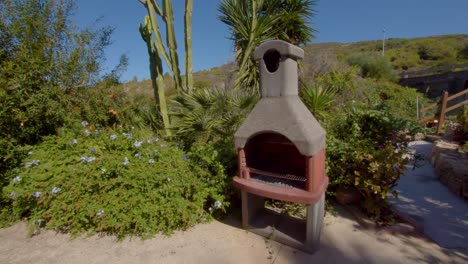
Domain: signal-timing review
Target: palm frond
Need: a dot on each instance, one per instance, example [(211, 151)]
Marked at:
[(208, 114)]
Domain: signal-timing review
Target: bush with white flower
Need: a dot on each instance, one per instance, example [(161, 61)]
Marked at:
[(117, 183)]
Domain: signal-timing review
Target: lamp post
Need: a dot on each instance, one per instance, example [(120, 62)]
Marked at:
[(383, 43)]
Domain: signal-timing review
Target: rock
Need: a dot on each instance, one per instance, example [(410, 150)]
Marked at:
[(419, 137), (451, 166)]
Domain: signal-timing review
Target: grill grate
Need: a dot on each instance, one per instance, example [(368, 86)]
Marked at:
[(289, 177)]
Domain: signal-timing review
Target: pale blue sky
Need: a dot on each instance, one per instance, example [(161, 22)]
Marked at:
[(336, 21)]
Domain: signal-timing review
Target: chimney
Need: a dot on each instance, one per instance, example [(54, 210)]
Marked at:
[(278, 68)]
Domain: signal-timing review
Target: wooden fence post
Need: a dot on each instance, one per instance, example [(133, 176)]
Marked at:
[(443, 107)]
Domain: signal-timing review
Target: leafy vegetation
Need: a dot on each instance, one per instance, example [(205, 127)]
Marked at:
[(211, 116), (117, 181), (365, 149), (45, 63), (414, 54), (151, 34), (462, 130), (253, 21), (377, 67)]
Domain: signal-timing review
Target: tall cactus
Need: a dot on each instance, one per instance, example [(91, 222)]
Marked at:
[(152, 36), (156, 70), (168, 15), (188, 44)]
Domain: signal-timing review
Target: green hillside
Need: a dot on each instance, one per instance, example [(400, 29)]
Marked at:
[(401, 54)]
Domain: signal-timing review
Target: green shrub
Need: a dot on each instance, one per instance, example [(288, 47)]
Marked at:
[(376, 67), (462, 119), (398, 101), (463, 53), (365, 150), (212, 116), (321, 93), (120, 182)]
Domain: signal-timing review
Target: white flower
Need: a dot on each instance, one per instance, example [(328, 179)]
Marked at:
[(100, 213), (74, 141), (168, 179), (17, 179), (56, 190), (156, 139), (149, 141), (132, 127), (84, 123), (126, 162), (38, 222), (137, 155), (151, 161), (137, 144), (36, 194), (163, 145), (30, 153), (210, 209), (217, 204), (86, 159), (33, 162), (113, 136), (103, 170), (87, 132)]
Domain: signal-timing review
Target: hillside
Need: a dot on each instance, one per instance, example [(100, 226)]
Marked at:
[(403, 55)]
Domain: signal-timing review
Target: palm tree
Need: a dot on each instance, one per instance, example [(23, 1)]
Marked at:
[(294, 18), (210, 114), (253, 21)]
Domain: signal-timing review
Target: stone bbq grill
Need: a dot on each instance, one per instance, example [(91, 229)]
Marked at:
[(281, 151)]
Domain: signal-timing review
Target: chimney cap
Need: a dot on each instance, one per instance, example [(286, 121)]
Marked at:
[(284, 48)]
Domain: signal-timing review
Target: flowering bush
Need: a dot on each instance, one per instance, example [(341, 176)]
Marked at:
[(121, 182), (365, 150)]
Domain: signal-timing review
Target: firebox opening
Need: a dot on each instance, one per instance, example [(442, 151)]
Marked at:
[(272, 59), (274, 153)]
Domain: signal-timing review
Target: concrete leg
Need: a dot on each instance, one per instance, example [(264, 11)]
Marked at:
[(314, 221), (250, 205)]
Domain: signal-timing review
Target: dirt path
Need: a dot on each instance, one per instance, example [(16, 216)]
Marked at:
[(224, 242)]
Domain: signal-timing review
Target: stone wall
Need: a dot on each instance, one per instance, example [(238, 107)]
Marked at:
[(451, 166)]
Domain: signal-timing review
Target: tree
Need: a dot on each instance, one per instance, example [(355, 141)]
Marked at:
[(294, 17), (253, 21), (43, 59)]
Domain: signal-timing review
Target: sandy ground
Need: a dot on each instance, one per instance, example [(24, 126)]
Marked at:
[(342, 241)]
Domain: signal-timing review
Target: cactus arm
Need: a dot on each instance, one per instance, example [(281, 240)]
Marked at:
[(157, 33), (156, 7), (188, 44), (168, 14), (156, 73), (162, 96)]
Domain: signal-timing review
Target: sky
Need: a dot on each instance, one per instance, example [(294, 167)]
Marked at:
[(335, 20)]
